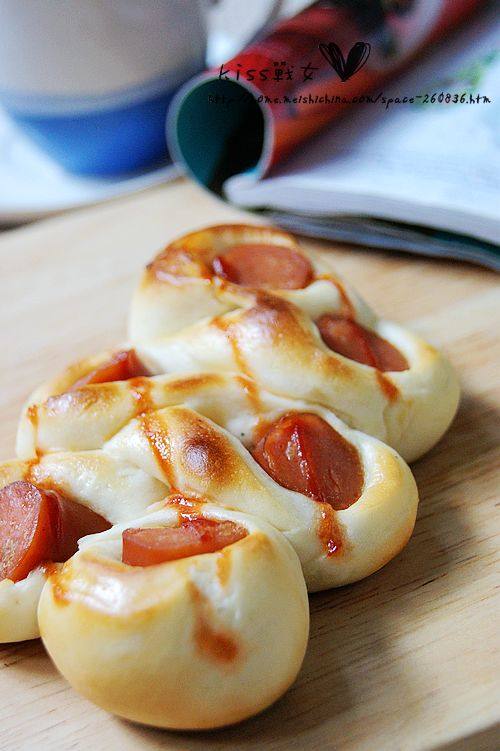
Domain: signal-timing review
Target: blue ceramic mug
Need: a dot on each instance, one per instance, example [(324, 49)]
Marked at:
[(90, 80)]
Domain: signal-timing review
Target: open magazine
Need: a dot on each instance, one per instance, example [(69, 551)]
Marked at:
[(420, 175), (428, 163)]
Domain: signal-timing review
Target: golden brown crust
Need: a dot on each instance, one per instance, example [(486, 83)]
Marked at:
[(173, 645), (196, 440), (192, 320)]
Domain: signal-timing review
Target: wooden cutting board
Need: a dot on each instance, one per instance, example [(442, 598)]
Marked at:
[(403, 660)]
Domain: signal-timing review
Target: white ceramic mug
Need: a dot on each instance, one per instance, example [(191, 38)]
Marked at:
[(91, 80)]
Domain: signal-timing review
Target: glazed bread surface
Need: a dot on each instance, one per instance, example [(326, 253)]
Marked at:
[(185, 317), (196, 438), (195, 643)]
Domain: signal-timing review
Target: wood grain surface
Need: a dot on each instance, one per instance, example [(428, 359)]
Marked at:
[(407, 659)]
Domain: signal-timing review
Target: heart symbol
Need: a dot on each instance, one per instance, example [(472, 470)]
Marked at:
[(357, 57)]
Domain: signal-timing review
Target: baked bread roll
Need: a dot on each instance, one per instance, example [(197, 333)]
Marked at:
[(249, 299), (46, 504), (345, 501), (195, 642)]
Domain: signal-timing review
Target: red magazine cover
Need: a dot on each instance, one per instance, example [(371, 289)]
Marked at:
[(273, 96)]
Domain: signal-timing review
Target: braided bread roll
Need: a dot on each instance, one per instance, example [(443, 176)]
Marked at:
[(345, 501), (194, 643), (191, 611), (249, 299)]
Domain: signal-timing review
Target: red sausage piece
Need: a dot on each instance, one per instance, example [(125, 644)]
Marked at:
[(40, 525), (120, 367), (273, 266), (352, 340), (151, 545), (304, 453)]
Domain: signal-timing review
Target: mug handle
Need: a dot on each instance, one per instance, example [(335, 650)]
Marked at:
[(220, 47)]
